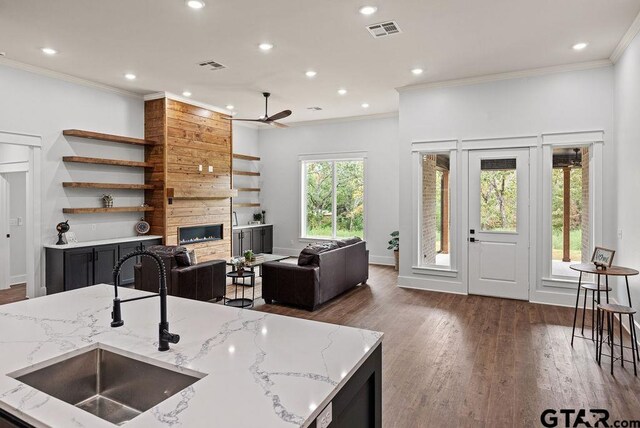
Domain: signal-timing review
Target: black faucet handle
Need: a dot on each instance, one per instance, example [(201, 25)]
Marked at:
[(172, 338), (116, 314)]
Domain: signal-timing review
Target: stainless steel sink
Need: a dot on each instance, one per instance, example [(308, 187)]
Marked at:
[(109, 385)]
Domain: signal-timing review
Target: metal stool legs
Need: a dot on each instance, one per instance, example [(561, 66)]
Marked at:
[(610, 320)]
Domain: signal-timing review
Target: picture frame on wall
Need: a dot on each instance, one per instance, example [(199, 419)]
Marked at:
[(235, 219), (602, 257)]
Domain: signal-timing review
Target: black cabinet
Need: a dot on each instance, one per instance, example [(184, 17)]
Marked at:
[(127, 271), (71, 268), (258, 239), (78, 268), (105, 258)]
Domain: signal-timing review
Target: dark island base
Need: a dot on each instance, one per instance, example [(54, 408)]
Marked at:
[(359, 403)]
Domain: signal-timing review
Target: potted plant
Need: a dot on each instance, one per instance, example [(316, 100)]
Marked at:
[(249, 256), (394, 244), (107, 200), (239, 263)]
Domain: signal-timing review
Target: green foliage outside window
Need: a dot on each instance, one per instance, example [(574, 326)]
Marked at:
[(349, 198)]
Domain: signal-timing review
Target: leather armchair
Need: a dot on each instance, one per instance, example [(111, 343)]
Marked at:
[(203, 281)]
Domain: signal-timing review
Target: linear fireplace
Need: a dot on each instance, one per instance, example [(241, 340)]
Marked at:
[(204, 233)]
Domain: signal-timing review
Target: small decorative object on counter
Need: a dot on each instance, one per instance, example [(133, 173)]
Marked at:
[(264, 217), (107, 200), (142, 227), (394, 244), (62, 228), (235, 219), (602, 257), (257, 218), (249, 256)]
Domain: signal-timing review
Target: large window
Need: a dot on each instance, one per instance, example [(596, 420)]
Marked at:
[(435, 217), (570, 220), (333, 198)]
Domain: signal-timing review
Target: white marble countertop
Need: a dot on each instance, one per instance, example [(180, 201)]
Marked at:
[(251, 226), (263, 370), (103, 242)]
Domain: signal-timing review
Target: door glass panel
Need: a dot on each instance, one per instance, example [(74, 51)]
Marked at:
[(319, 177), (498, 195)]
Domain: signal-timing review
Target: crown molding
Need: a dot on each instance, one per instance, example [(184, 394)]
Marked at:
[(65, 77), (533, 72), (172, 96), (626, 40), (387, 115)]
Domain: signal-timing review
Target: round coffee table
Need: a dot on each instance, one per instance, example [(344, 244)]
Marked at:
[(241, 302)]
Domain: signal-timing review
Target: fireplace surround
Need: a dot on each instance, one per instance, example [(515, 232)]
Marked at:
[(202, 233)]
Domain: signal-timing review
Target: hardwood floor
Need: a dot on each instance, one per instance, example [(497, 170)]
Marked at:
[(451, 360), (15, 293)]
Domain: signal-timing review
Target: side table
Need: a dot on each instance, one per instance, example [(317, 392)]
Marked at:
[(241, 302)]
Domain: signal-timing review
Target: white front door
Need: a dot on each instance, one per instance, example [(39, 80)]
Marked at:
[(499, 223), (5, 278)]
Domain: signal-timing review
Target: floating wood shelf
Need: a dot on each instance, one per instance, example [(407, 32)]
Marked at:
[(255, 174), (105, 210), (245, 157), (201, 195), (246, 205), (106, 137), (248, 189), (101, 161), (87, 185)]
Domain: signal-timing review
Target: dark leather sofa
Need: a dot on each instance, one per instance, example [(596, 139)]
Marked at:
[(334, 272), (203, 281)]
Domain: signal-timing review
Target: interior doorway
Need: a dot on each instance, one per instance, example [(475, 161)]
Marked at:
[(499, 223)]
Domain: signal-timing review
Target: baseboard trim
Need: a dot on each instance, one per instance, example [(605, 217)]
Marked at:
[(428, 284), (17, 279)]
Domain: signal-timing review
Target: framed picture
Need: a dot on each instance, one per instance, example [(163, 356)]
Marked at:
[(602, 257), (235, 219), (71, 238)]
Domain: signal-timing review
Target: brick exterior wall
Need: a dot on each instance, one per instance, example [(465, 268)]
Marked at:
[(429, 209), (585, 219)]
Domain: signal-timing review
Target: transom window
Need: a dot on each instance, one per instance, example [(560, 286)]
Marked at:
[(333, 198)]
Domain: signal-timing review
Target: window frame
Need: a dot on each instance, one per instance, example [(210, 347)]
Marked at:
[(333, 158), (418, 151), (594, 141)]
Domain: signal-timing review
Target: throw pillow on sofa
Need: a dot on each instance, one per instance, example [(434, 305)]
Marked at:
[(182, 257), (309, 255), (347, 241)]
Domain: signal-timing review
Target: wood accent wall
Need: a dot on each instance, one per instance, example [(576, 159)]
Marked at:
[(189, 136)]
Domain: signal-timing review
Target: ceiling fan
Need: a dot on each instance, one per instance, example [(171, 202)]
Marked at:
[(266, 119)]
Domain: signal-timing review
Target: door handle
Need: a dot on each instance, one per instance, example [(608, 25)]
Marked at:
[(474, 240)]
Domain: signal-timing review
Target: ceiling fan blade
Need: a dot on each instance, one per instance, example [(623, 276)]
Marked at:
[(279, 125), (278, 116)]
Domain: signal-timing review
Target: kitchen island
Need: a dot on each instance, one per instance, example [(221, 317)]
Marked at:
[(257, 369)]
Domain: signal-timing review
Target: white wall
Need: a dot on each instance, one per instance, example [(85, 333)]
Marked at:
[(10, 153), (18, 242), (627, 104), (279, 150), (245, 141), (35, 104), (563, 102)]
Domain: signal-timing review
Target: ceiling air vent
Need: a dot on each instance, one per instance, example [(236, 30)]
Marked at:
[(314, 108), (212, 65), (384, 29)]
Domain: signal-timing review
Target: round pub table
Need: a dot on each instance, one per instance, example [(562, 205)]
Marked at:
[(590, 268)]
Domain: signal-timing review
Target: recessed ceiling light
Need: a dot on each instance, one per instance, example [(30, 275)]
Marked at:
[(417, 71), (230, 107), (195, 4), (265, 46), (342, 91), (580, 46), (130, 76), (310, 73), (186, 94), (365, 105), (368, 10), (49, 51)]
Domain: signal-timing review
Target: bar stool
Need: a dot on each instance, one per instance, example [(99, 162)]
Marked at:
[(609, 310), (594, 289)]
